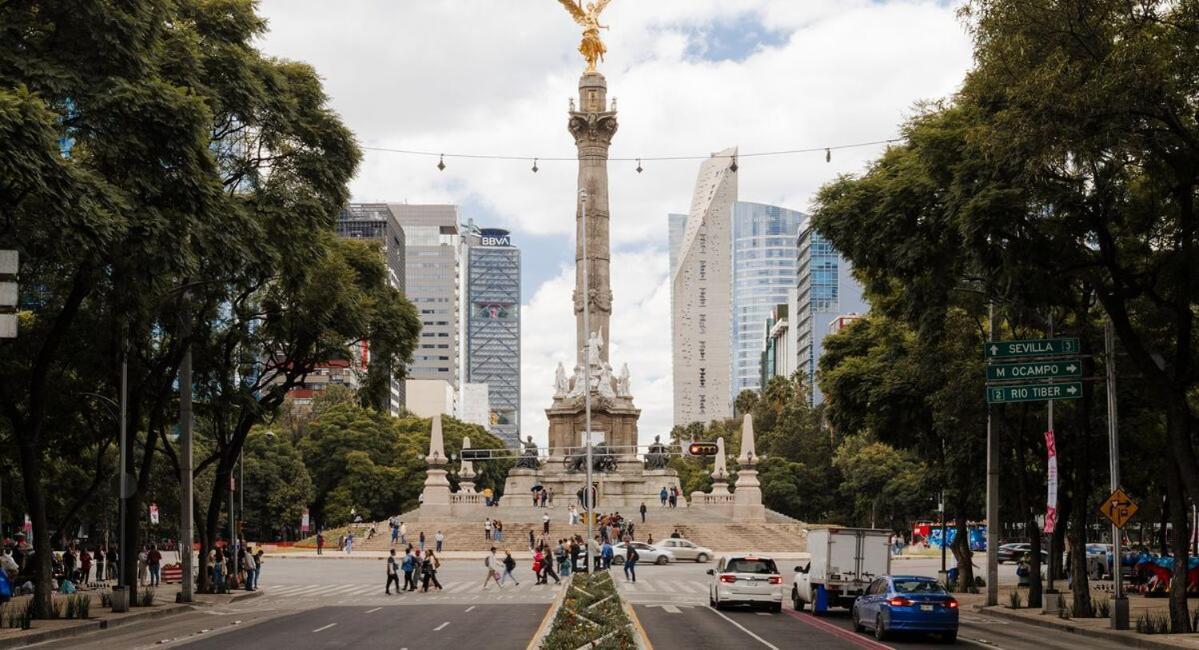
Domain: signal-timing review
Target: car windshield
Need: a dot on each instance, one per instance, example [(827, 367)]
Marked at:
[(917, 586), (757, 565)]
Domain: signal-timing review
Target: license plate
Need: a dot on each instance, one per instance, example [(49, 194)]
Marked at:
[(926, 608)]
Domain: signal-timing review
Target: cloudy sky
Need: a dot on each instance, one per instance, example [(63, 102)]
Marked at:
[(691, 76)]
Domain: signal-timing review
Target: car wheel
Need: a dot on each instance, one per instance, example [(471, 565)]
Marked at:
[(857, 622), (711, 600), (949, 637), (662, 559), (880, 630), (796, 601), (719, 605), (777, 608), (701, 558)]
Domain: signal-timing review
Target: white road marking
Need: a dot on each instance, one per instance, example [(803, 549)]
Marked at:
[(321, 629), (671, 609), (440, 627), (743, 629), (372, 611), (762, 613)]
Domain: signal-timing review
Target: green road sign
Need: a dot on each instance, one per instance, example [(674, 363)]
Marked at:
[(1033, 392), (1030, 348), (1035, 370)]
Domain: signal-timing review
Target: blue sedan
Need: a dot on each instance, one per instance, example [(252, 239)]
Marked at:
[(906, 603)]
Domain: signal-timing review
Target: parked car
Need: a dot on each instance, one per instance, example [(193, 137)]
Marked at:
[(685, 550), (746, 579), (649, 554), (906, 603), (1013, 552)]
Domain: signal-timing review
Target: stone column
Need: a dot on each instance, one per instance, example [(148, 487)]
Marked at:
[(436, 494), (747, 504), (466, 473), (720, 476), (593, 126)]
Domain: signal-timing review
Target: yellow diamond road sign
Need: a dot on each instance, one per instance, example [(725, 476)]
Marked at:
[(1119, 508)]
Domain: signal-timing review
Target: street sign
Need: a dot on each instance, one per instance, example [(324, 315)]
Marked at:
[(1030, 348), (1033, 392), (1118, 508), (1035, 370)]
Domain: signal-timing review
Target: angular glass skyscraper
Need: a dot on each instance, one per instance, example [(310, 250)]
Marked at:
[(827, 293), (493, 326), (764, 269)]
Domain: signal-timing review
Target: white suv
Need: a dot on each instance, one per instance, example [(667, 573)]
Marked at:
[(748, 579)]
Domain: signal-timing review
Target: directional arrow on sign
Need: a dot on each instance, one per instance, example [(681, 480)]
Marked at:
[(1072, 368), (994, 350), (1072, 390)]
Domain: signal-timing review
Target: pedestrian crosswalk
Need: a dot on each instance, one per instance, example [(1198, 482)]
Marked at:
[(644, 590), (338, 592)]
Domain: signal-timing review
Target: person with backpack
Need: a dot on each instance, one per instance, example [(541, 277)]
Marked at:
[(509, 567), (408, 567), (393, 573), (417, 567), (491, 562), (630, 564), (431, 564), (606, 553)]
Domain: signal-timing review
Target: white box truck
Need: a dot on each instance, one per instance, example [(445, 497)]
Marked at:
[(844, 561)]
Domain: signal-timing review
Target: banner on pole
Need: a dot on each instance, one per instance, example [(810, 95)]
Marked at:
[(154, 513), (28, 525), (1051, 482), (304, 521)]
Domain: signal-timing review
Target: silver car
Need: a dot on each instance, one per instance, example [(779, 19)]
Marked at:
[(683, 549), (647, 554)]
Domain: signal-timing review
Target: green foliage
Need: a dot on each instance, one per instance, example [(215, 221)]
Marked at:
[(277, 484), (591, 615)]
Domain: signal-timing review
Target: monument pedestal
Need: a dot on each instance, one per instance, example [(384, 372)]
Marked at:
[(747, 498)]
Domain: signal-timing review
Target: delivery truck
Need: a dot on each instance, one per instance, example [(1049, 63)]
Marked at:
[(843, 563)]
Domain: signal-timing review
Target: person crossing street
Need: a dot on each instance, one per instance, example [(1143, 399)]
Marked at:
[(408, 567), (491, 562), (630, 564), (393, 573), (509, 567)]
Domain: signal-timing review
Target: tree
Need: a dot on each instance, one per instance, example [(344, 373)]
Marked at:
[(745, 402)]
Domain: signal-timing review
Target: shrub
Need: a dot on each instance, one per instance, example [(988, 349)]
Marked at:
[(1064, 611), (1103, 608), (1151, 623), (79, 606), (106, 598), (1013, 600), (591, 613)]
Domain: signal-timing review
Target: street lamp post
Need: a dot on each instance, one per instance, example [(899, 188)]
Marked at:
[(590, 499)]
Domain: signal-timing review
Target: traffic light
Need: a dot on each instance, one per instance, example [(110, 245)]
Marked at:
[(702, 449)]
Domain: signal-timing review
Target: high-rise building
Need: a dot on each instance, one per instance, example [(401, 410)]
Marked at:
[(677, 225), (493, 326), (376, 222), (433, 285), (764, 270), (827, 292), (700, 296)]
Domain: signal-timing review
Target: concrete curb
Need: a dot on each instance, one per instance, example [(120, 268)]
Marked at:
[(87, 627), (547, 623), (639, 633), (1128, 638)]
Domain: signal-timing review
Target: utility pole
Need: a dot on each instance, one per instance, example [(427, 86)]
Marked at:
[(992, 490), (186, 496), (944, 575), (587, 378), (122, 603), (1119, 600), (1051, 600)]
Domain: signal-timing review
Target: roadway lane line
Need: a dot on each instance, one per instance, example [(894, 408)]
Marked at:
[(322, 629), (372, 611), (744, 629), (470, 608), (441, 627), (854, 637)]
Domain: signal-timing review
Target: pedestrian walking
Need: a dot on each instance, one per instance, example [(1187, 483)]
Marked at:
[(509, 568), (491, 562), (349, 544), (547, 569), (606, 553), (393, 573), (487, 529), (674, 497), (538, 561), (408, 566), (562, 557), (663, 495), (643, 512), (421, 541), (549, 494), (439, 539), (429, 569), (320, 543), (395, 533), (630, 564), (418, 567), (154, 564), (545, 523)]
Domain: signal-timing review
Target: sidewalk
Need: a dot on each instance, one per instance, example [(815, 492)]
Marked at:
[(1085, 627), (101, 618)]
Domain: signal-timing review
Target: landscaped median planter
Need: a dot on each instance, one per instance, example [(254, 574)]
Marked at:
[(591, 615)]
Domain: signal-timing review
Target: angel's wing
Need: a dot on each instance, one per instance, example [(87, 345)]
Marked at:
[(575, 11), (599, 6)]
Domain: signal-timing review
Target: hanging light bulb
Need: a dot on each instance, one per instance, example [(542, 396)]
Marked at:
[(733, 166), (638, 165), (828, 155), (441, 163), (534, 165)]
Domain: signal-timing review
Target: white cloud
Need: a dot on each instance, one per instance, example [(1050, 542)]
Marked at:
[(494, 77)]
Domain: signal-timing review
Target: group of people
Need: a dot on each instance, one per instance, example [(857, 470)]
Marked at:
[(399, 534), (493, 530), (418, 568), (229, 571), (543, 496), (669, 498)]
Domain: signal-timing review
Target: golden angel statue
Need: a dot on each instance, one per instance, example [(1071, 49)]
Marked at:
[(592, 48)]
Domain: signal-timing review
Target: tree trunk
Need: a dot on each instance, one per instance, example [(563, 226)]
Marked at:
[(35, 500), (963, 554), (1180, 620), (1080, 584)]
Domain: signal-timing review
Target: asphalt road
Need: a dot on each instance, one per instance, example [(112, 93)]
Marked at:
[(426, 627)]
